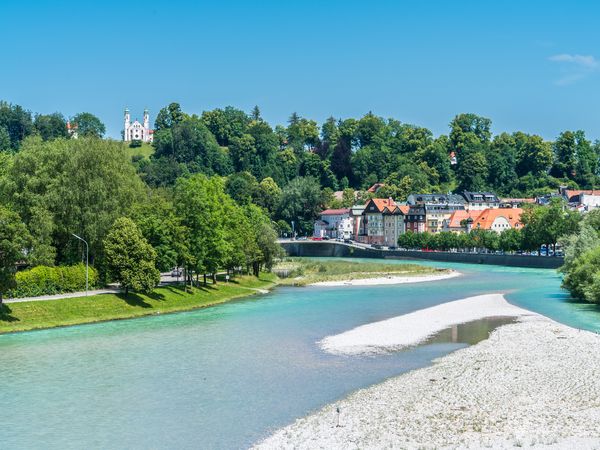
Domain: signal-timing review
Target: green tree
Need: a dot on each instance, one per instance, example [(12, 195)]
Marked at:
[(160, 225), (14, 243), (16, 121), (88, 125), (129, 259), (465, 125), (50, 126), (301, 202), (242, 187)]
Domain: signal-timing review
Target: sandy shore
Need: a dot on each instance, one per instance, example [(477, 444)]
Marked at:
[(532, 383), (410, 329), (391, 279)]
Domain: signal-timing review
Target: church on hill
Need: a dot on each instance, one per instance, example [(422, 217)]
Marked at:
[(136, 131)]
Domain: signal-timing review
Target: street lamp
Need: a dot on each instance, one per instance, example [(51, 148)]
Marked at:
[(86, 262)]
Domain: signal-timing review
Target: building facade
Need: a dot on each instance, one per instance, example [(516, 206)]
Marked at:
[(136, 131), (415, 219), (438, 208), (334, 223), (373, 217), (393, 223), (478, 201)]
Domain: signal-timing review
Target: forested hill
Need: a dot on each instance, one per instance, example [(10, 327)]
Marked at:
[(353, 153)]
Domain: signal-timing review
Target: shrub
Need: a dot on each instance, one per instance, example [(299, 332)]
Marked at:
[(44, 280)]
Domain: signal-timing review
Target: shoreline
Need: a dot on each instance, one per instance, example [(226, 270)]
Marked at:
[(531, 383), (264, 288), (414, 328), (387, 280)]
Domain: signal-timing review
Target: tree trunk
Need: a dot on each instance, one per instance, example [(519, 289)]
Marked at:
[(126, 290), (214, 277), (204, 279), (0, 298)]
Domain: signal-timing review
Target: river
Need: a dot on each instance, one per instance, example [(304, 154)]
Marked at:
[(226, 376)]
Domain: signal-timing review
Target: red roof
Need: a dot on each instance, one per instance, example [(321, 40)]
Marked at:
[(487, 217), (335, 212), (572, 193), (459, 215), (380, 203)]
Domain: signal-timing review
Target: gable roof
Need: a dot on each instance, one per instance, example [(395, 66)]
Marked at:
[(396, 209), (380, 204), (487, 217), (438, 199), (375, 187)]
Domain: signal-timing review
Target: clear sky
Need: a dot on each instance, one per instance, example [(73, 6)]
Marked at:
[(532, 66)]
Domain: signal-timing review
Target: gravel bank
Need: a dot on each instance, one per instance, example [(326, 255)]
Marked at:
[(532, 383)]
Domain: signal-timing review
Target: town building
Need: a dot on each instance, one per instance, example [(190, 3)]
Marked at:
[(438, 208), (415, 219), (457, 222), (334, 223), (359, 230), (498, 220), (516, 202), (373, 217), (582, 200), (394, 223), (136, 131), (479, 201)]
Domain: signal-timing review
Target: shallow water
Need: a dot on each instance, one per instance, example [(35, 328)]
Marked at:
[(226, 376)]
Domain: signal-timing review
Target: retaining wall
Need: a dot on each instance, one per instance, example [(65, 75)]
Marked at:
[(339, 249)]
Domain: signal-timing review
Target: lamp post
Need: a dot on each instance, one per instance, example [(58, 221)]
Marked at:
[(86, 262)]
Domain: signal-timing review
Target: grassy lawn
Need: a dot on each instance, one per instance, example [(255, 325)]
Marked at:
[(145, 150), (72, 311), (306, 271)]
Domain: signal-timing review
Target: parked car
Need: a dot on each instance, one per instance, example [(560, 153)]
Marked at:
[(376, 246), (176, 272), (348, 241), (325, 238), (392, 247)]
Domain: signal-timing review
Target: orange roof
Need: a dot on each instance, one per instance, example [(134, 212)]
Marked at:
[(486, 219), (459, 215), (395, 209), (381, 203), (571, 193)]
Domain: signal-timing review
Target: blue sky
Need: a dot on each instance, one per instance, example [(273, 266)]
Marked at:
[(533, 67)]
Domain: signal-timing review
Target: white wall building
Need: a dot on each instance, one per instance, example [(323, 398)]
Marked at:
[(334, 223), (136, 131)]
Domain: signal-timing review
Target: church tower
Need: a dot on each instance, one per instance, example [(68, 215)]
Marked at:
[(127, 124), (146, 120)]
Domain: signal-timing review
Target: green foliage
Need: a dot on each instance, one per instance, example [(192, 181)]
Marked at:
[(44, 280), (161, 227), (50, 126), (301, 201), (88, 125), (129, 259), (14, 243), (545, 225), (61, 187), (16, 123)]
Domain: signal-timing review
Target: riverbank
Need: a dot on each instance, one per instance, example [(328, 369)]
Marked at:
[(532, 383), (387, 279), (24, 316), (414, 328), (305, 272)]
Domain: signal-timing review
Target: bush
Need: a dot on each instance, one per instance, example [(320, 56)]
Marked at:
[(44, 280)]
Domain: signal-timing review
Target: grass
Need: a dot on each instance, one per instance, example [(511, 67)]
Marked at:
[(146, 150), (73, 311), (303, 271)]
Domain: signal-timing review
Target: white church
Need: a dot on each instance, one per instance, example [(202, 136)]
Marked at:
[(136, 131)]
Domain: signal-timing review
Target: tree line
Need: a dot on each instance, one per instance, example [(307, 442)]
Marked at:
[(53, 189)]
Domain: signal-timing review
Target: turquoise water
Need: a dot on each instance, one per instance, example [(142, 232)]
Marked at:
[(227, 376)]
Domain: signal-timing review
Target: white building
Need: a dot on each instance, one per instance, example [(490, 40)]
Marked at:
[(334, 223), (137, 131), (479, 201)]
